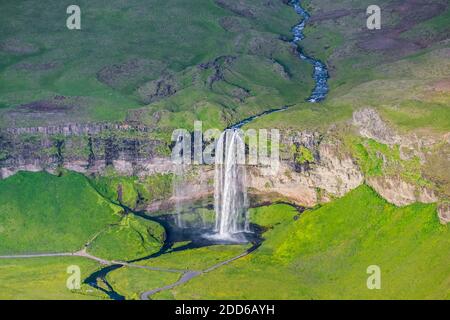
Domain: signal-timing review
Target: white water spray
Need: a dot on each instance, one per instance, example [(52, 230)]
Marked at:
[(230, 192), (179, 193)]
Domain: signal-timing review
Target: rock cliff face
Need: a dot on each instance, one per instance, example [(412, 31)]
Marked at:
[(82, 148), (444, 213), (325, 175), (371, 126), (305, 180), (399, 192), (314, 168), (394, 188)]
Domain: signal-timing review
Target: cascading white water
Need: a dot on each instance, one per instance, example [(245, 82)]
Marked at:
[(179, 193), (230, 192)]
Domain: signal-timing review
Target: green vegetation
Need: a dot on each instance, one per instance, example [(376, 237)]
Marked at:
[(196, 259), (304, 116), (325, 254), (131, 282), (302, 257), (40, 212), (130, 190), (224, 62), (432, 28), (302, 154), (377, 159), (44, 278), (133, 238), (436, 168), (408, 101), (408, 86), (156, 63)]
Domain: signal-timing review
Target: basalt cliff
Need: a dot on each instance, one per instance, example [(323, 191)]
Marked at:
[(315, 167)]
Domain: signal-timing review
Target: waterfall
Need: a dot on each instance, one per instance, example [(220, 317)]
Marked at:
[(178, 192), (230, 194)]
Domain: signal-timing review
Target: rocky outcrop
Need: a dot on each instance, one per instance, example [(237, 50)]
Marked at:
[(329, 176), (156, 90), (76, 129), (371, 126), (395, 188), (314, 168), (399, 192), (87, 148), (444, 213)]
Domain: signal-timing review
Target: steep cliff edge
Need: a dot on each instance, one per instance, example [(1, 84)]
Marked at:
[(86, 148), (315, 167)]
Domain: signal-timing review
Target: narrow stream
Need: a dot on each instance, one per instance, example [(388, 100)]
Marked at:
[(193, 236), (320, 73)]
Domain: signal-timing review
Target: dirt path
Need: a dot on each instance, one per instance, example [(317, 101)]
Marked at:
[(37, 255), (190, 274), (186, 275), (84, 254), (184, 278)]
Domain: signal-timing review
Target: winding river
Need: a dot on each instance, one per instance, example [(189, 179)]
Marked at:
[(320, 70), (191, 235), (320, 73), (173, 234)]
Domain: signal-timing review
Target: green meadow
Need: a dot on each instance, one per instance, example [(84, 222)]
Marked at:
[(131, 282), (196, 259), (325, 253), (322, 253), (225, 61), (132, 238), (44, 278), (43, 213), (155, 63)]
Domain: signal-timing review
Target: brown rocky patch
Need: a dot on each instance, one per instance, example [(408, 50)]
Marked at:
[(264, 46), (231, 24), (44, 106), (410, 12), (240, 94), (18, 47), (441, 86), (122, 74), (218, 65), (36, 66), (54, 110), (444, 213), (156, 90), (237, 7)]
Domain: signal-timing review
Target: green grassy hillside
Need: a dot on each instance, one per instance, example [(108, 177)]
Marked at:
[(133, 238), (401, 70), (131, 191), (40, 212), (207, 57), (325, 254), (166, 64), (321, 254)]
